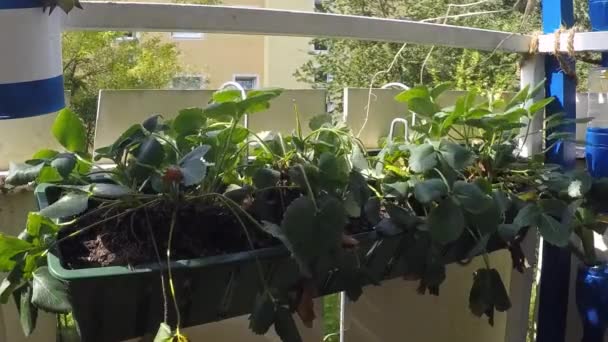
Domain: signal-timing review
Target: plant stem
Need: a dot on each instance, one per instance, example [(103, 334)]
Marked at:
[(170, 273), (160, 263), (308, 186)]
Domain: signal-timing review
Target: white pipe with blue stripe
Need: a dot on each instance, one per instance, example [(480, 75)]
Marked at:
[(31, 70)]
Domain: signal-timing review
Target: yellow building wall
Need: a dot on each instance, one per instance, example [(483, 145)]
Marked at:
[(219, 57)]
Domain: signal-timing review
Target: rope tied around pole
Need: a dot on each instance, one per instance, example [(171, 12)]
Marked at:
[(564, 58)]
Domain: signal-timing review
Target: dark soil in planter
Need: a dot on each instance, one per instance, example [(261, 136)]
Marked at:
[(202, 229)]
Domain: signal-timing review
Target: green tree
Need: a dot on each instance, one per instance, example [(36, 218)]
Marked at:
[(352, 63), (109, 60)]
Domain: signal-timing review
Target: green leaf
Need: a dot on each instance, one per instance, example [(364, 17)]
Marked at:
[(372, 210), (49, 174), (67, 206), (111, 191), (263, 314), (502, 200), (402, 217), (301, 174), (222, 110), (49, 293), (258, 101), (164, 333), (330, 222), (266, 178), (150, 152), (553, 207), (70, 131), (537, 89), (285, 326), (28, 313), (189, 121), (21, 174), (334, 170), (539, 105), (298, 225), (9, 247), (38, 225), (14, 279), (398, 190), (486, 221), (528, 216), (422, 158), (471, 197), (440, 89), (519, 98), (45, 154), (457, 156), (423, 107), (412, 93), (193, 166), (430, 190), (318, 121), (227, 95), (553, 231), (481, 297), (508, 231), (446, 221), (64, 163), (358, 187), (153, 124)]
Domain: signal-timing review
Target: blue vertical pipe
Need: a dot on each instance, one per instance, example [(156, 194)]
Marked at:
[(555, 271)]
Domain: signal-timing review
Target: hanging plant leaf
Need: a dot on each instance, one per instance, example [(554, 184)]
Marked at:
[(481, 298), (422, 158), (430, 190), (14, 279), (285, 326), (298, 225), (21, 174), (153, 123), (28, 313), (306, 307), (49, 293), (67, 206), (500, 295), (70, 131), (263, 315), (446, 221), (9, 248), (553, 231)]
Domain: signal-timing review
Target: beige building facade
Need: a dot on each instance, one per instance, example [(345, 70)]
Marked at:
[(210, 60)]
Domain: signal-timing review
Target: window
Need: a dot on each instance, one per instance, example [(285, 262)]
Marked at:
[(187, 82), (128, 36), (319, 6), (248, 82), (187, 35), (319, 45)]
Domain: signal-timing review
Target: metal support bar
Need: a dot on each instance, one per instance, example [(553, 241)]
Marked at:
[(555, 269)]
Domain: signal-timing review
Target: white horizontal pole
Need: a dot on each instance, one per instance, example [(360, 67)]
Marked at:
[(255, 21), (583, 41)]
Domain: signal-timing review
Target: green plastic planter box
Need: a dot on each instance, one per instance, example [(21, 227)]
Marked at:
[(112, 304)]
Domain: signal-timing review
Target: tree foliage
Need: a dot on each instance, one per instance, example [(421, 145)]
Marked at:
[(353, 63)]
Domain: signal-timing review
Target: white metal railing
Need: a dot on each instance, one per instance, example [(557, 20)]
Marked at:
[(160, 17)]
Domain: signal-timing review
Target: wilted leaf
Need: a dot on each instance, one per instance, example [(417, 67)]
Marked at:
[(263, 314), (164, 333), (49, 293), (285, 326), (193, 166), (306, 306), (112, 191), (21, 174)]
